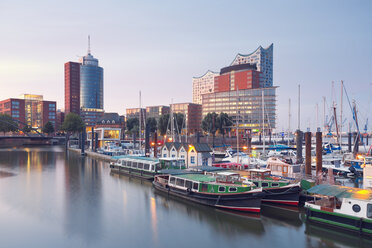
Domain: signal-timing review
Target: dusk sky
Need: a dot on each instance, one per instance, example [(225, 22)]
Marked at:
[(158, 46)]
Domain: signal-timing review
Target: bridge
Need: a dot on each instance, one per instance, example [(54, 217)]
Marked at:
[(17, 140)]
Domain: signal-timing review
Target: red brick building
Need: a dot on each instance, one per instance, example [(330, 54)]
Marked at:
[(243, 76), (72, 87), (30, 109), (192, 113)]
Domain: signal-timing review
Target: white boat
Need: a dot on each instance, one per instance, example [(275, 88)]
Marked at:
[(243, 159), (281, 168)]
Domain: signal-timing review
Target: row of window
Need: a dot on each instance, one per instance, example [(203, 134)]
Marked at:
[(139, 165)]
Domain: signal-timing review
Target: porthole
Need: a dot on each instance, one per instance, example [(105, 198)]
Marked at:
[(356, 208)]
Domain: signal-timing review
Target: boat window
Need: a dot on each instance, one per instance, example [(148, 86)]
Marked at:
[(119, 161), (204, 187), (188, 184), (158, 166), (275, 184), (369, 210), (146, 166), (256, 183), (129, 163), (264, 185), (134, 164), (140, 165), (356, 208), (232, 189), (172, 180), (180, 182), (195, 186), (285, 169), (221, 189), (123, 162)]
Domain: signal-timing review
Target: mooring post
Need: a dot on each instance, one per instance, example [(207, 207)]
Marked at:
[(319, 152), (299, 146), (83, 142), (349, 141), (155, 144), (96, 142), (308, 153)]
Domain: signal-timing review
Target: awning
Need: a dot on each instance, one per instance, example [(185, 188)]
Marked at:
[(341, 192)]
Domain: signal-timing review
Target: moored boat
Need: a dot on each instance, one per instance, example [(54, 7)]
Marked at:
[(341, 207), (277, 190), (225, 190), (141, 167)]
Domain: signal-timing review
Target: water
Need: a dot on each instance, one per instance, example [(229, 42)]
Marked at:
[(52, 199)]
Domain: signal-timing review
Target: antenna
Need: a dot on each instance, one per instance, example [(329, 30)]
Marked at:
[(88, 44)]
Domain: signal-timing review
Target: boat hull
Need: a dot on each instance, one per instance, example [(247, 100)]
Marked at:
[(348, 223), (247, 202), (147, 175), (288, 195)]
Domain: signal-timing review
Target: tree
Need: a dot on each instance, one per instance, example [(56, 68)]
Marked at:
[(152, 123), (26, 129), (163, 124), (224, 124), (132, 125), (210, 124), (178, 121), (7, 124), (73, 123), (48, 128)]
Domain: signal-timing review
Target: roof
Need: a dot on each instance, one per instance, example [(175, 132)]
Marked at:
[(341, 192), (259, 170), (208, 168), (202, 147), (109, 117), (198, 177), (136, 157), (227, 173), (176, 172), (209, 71), (177, 145)]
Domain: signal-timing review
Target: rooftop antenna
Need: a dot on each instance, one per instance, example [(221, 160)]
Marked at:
[(88, 44)]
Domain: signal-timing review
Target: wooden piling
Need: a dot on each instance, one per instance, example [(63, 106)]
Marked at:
[(319, 152), (308, 153)]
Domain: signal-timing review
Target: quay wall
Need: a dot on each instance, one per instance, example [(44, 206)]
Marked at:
[(95, 155)]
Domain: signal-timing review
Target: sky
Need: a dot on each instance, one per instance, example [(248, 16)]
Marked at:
[(158, 46)]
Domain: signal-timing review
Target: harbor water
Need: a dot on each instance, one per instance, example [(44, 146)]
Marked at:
[(50, 198)]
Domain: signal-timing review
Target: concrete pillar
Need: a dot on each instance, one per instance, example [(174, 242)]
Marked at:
[(308, 153), (147, 140), (319, 152), (299, 146), (83, 142)]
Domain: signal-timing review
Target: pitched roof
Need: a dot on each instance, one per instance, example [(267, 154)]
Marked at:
[(341, 192), (110, 117), (202, 147)]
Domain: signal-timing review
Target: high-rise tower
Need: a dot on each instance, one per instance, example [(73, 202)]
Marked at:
[(72, 87)]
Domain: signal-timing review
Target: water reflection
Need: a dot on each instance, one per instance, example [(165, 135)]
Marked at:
[(83, 198)]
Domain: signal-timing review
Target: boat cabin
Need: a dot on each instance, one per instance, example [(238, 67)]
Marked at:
[(139, 163), (262, 174), (283, 169), (172, 163), (227, 177)]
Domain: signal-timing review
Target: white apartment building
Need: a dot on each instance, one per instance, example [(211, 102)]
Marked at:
[(203, 85)]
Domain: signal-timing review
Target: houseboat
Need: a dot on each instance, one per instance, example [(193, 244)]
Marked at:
[(341, 207), (283, 168), (225, 190), (144, 167), (277, 190), (141, 167)]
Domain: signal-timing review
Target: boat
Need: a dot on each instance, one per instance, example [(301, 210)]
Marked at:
[(243, 159), (145, 167), (341, 207), (225, 190), (141, 167), (283, 168), (277, 190)]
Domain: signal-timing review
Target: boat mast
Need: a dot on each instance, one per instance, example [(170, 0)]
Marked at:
[(263, 122), (172, 121), (341, 104), (237, 124), (289, 118), (140, 122), (324, 120), (299, 104)]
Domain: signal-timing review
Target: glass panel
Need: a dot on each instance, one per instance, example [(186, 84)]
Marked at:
[(369, 210), (188, 184), (195, 186)]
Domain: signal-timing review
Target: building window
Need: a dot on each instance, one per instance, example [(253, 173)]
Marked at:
[(192, 159)]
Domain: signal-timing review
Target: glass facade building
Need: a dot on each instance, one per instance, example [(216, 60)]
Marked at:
[(91, 83), (244, 106)]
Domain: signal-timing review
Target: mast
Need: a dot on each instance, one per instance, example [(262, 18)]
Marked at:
[(237, 125), (289, 118), (341, 104), (140, 122), (263, 122), (299, 104), (172, 122), (324, 121)]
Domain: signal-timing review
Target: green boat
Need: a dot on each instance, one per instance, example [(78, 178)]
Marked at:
[(277, 190), (144, 167), (224, 190), (341, 207)]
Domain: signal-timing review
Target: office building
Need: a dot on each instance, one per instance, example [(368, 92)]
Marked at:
[(72, 87), (157, 111), (136, 113), (244, 107), (30, 110), (192, 113)]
